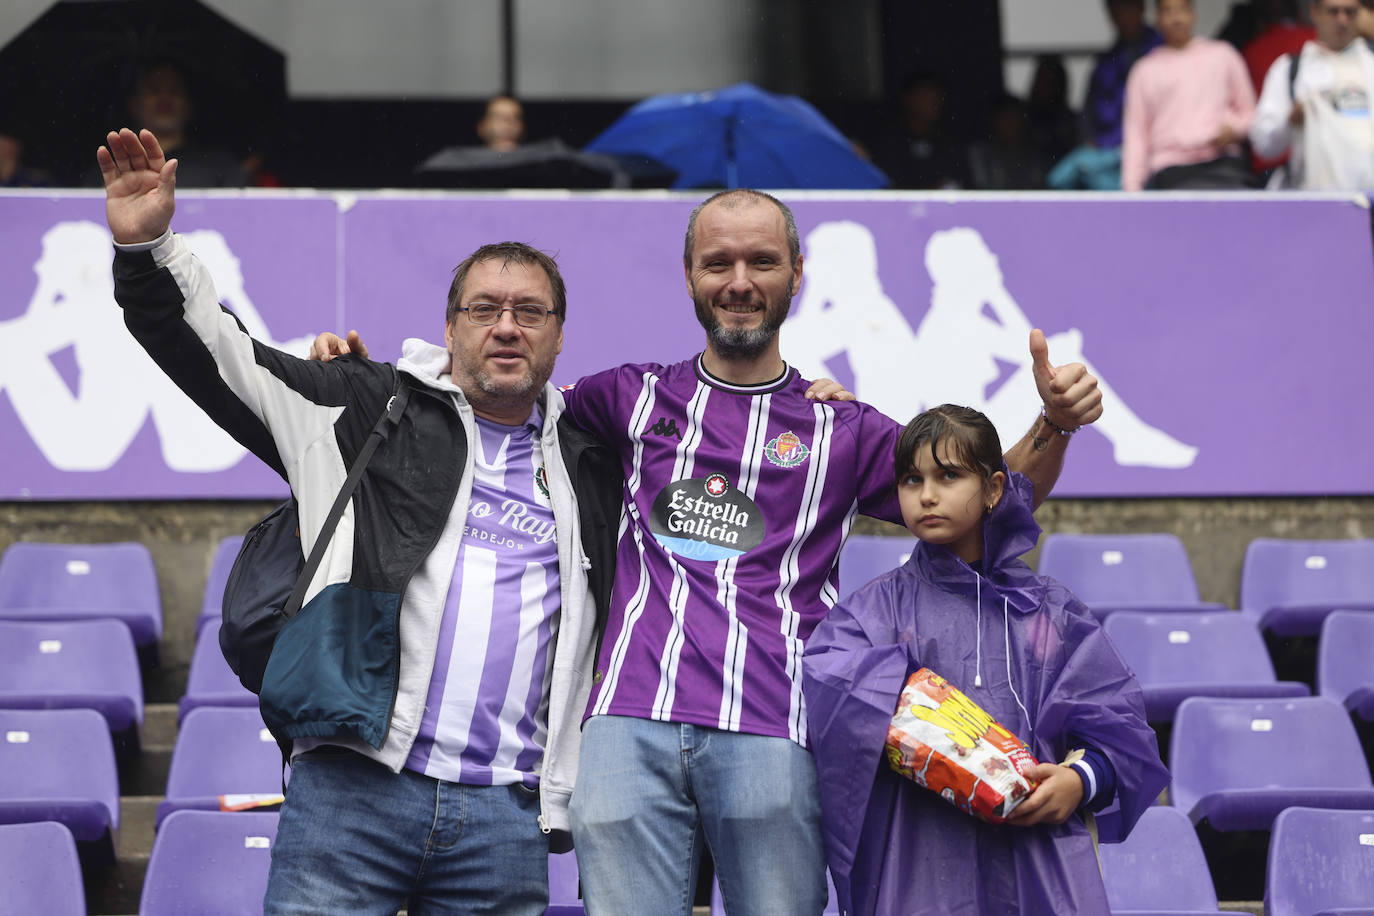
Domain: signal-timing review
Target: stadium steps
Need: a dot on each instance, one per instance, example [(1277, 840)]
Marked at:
[(115, 890)]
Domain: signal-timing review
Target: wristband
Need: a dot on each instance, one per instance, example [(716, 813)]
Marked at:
[(1056, 427)]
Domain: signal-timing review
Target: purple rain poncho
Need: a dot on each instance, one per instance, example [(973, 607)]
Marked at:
[(897, 848)]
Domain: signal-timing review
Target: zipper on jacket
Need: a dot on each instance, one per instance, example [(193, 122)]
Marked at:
[(429, 548), (544, 827)]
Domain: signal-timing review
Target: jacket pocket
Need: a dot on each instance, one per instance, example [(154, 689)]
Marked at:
[(334, 667)]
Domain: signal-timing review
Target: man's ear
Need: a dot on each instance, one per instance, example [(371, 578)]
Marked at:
[(797, 275)]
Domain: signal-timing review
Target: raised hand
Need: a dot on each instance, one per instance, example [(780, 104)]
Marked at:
[(1069, 393), (328, 345), (140, 185)]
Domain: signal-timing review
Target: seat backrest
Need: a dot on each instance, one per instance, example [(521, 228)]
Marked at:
[(63, 664), (1222, 744), (1344, 654), (563, 878), (1320, 859), (1160, 866), (209, 862), (224, 751), (1282, 573), (211, 682), (867, 556), (59, 764), (1191, 648), (39, 870), (1107, 569), (213, 597), (78, 577)]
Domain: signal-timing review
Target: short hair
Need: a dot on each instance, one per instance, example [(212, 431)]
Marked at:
[(732, 198), (508, 253), (973, 441)]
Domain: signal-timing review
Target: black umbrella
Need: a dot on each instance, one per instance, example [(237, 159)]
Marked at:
[(78, 62), (545, 164)]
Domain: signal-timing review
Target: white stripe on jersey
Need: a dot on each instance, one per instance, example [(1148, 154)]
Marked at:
[(509, 745), (737, 636), (490, 473), (472, 628), (643, 409), (828, 594), (806, 523), (681, 591)]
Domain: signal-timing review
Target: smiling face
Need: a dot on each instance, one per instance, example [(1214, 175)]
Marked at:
[(741, 277), (943, 502), (502, 367)]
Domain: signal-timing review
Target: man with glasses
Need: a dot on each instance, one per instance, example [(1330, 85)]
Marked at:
[(1317, 106), (431, 682)]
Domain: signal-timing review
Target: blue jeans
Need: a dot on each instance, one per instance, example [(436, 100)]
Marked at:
[(356, 838), (649, 792)]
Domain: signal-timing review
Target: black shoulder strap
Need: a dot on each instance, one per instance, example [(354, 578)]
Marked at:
[(1293, 73), (389, 418)]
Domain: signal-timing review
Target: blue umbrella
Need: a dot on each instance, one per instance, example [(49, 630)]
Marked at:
[(740, 136)]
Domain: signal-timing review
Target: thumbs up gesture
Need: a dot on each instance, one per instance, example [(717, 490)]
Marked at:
[(1069, 392)]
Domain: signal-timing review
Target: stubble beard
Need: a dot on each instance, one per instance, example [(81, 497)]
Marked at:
[(743, 343)]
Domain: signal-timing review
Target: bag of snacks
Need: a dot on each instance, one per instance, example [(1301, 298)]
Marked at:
[(944, 741)]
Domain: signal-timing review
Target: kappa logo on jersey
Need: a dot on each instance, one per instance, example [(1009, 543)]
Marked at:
[(786, 450), (666, 428), (541, 480), (706, 519)]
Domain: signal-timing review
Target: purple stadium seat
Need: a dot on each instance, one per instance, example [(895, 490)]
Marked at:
[(867, 556), (1116, 572), (81, 582), (211, 682), (563, 886), (87, 664), (1180, 655), (1290, 586), (225, 553), (59, 765), (209, 862), (832, 908), (222, 752), (1320, 861), (1345, 661), (39, 870), (1158, 868), (1238, 763)]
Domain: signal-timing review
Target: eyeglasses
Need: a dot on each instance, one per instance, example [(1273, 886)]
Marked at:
[(527, 315)]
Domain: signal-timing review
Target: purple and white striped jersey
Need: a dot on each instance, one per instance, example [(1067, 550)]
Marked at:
[(486, 713), (738, 500)]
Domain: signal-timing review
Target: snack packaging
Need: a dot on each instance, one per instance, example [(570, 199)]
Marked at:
[(942, 740)]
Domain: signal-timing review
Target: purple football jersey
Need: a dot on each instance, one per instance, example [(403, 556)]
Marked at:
[(738, 501)]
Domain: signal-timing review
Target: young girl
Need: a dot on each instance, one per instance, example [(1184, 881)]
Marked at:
[(1019, 645)]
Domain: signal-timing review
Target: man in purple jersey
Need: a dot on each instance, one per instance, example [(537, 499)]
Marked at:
[(433, 683), (739, 492)]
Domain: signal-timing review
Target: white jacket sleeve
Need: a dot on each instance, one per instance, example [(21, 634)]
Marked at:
[(1270, 132)]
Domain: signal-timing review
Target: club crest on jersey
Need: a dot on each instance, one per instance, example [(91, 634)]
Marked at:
[(786, 450), (541, 480), (705, 518)]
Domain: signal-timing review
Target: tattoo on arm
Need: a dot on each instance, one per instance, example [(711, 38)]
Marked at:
[(1039, 443)]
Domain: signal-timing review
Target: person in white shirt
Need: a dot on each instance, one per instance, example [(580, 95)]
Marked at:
[(1322, 112)]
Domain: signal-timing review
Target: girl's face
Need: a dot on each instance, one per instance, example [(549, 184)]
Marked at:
[(946, 505)]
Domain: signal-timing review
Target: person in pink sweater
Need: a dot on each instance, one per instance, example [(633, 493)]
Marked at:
[(1188, 106)]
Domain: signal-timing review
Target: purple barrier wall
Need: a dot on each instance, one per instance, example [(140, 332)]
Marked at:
[(1230, 334)]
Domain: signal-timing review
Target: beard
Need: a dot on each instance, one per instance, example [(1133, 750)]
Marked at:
[(485, 390), (743, 343)]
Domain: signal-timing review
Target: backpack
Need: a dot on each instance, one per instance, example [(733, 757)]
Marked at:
[(267, 583)]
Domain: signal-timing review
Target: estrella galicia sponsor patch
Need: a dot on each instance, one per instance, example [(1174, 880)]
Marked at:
[(541, 481), (786, 450), (706, 519)]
